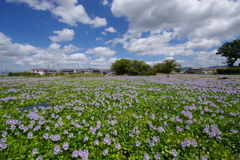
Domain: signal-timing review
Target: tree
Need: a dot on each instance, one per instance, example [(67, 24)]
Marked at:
[(121, 66), (138, 66), (230, 50), (167, 66)]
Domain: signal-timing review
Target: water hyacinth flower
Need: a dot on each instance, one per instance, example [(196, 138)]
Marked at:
[(2, 146), (45, 135), (75, 154), (96, 142), (174, 152), (157, 156), (70, 135), (55, 137), (160, 129), (85, 139), (105, 152), (57, 150), (30, 135), (39, 158), (179, 128), (138, 143), (146, 156), (118, 146), (34, 151), (204, 158), (65, 146)]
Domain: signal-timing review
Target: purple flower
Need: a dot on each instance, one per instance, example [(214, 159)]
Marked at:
[(75, 154), (160, 129), (34, 151), (118, 146), (234, 131), (68, 117), (96, 142), (105, 152), (179, 128), (2, 146), (174, 152), (70, 135), (106, 141), (45, 135), (204, 158), (138, 143), (157, 156), (115, 132), (30, 135), (39, 158), (146, 156), (65, 146), (57, 150), (85, 139), (55, 137)]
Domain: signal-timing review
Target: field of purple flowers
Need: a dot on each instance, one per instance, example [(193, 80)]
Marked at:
[(121, 118)]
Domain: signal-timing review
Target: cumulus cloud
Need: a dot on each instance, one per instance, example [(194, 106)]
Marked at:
[(102, 62), (35, 4), (110, 29), (101, 52), (14, 50), (196, 19), (105, 2), (98, 38), (66, 11), (63, 35)]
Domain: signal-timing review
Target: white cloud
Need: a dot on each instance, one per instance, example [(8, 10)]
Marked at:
[(100, 52), (102, 62), (207, 59), (203, 44), (105, 2), (98, 38), (196, 19), (9, 50), (63, 35), (110, 29), (66, 11), (35, 4), (103, 33)]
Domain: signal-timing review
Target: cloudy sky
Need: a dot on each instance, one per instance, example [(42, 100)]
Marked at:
[(95, 33)]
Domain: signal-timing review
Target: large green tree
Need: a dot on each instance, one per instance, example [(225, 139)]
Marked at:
[(167, 66), (230, 50), (121, 66)]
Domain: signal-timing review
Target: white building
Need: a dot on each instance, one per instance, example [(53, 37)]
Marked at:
[(39, 71)]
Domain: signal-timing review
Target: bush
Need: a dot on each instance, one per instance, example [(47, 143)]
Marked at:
[(230, 70)]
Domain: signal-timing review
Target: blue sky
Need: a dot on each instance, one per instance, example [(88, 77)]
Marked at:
[(96, 33)]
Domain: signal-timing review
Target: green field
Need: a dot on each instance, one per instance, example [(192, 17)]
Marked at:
[(120, 117)]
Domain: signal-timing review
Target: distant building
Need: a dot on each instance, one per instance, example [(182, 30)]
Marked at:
[(68, 71), (193, 70), (207, 70), (39, 71)]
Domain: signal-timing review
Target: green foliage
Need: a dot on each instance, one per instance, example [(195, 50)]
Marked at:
[(167, 66), (131, 67), (121, 66), (230, 50), (230, 70), (10, 74)]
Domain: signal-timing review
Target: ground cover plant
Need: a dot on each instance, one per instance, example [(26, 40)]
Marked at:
[(121, 118)]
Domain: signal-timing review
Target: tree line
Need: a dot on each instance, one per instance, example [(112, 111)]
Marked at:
[(139, 67)]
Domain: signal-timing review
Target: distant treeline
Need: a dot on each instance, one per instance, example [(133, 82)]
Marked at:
[(229, 70)]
